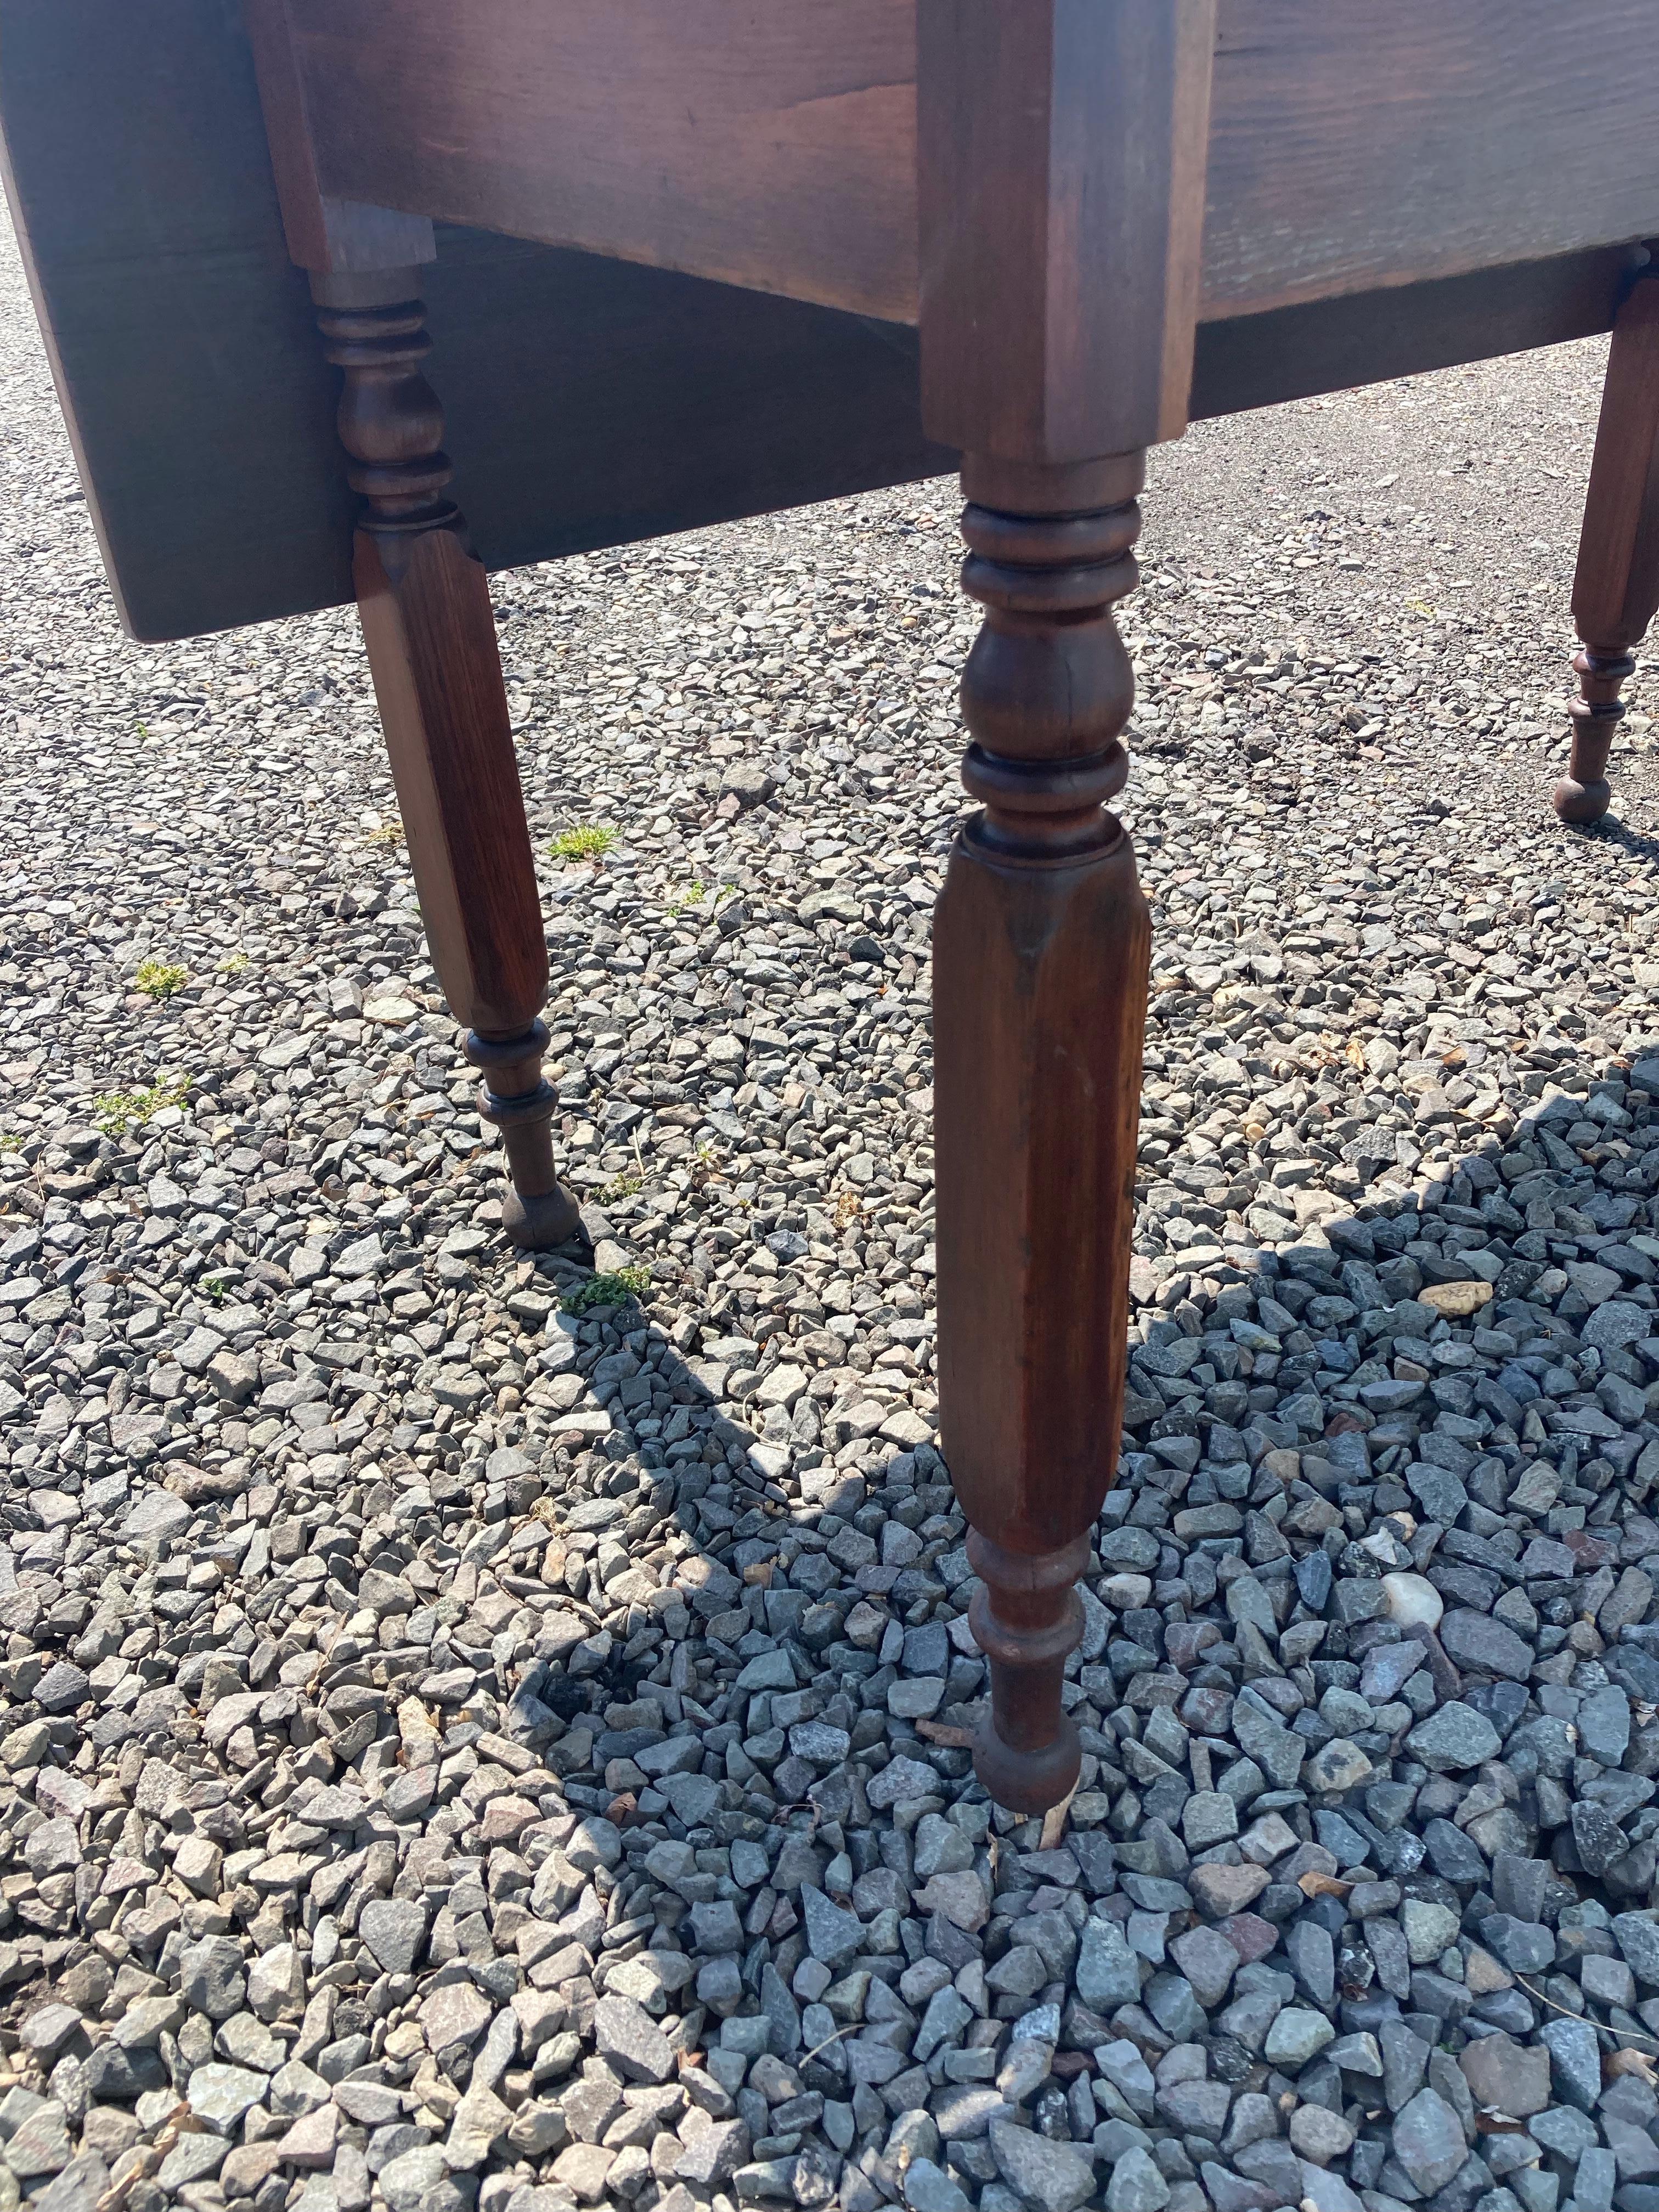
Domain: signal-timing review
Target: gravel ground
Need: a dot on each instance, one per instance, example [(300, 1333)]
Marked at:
[(478, 1731)]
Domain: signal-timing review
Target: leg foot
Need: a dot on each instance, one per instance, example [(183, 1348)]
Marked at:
[(1584, 795), (1581, 804), (538, 1213), (542, 1222), (1028, 1620)]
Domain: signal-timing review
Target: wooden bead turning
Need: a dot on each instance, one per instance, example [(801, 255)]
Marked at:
[(1584, 793), (430, 631), (1040, 947)]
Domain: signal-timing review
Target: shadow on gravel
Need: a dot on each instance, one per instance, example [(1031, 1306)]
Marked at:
[(1613, 831), (1493, 1337), (822, 1549), (659, 1732)]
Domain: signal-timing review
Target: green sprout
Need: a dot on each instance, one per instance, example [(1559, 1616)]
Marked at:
[(116, 1109), (588, 841), (608, 1290), (158, 979)]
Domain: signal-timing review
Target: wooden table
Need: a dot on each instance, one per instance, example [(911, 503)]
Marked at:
[(691, 259)]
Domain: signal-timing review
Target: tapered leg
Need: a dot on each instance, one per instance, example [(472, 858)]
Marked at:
[(1616, 590), (1040, 959), (1061, 165), (430, 633)]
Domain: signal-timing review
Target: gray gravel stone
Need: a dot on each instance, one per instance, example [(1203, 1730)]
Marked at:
[(394, 1929), (1135, 2183), (1428, 2140), (1295, 2036), (1506, 2078), (1454, 1738), (1049, 2176), (1480, 1644)]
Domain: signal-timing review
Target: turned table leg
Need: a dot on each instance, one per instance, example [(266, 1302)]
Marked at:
[(1060, 189), (1616, 589), (430, 632), (1041, 948)]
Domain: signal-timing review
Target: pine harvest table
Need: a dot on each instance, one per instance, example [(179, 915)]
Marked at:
[(686, 260)]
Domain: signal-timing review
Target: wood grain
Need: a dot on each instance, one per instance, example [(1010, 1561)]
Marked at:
[(1061, 182), (1353, 147), (760, 145), (776, 147)]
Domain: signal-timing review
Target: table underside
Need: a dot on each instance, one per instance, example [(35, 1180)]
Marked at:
[(661, 347)]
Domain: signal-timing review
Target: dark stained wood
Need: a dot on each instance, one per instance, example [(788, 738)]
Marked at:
[(777, 146), (1040, 944), (1615, 593), (1353, 147), (182, 341), (423, 601), (1042, 363), (323, 232), (430, 632), (1061, 158), (771, 146), (589, 403), (1367, 338)]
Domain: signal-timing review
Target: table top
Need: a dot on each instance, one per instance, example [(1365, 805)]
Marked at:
[(675, 281)]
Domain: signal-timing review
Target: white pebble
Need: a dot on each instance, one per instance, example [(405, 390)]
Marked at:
[(1413, 1602)]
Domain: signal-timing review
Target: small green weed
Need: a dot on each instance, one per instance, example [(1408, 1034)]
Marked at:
[(10, 1141), (588, 841), (117, 1109), (389, 833), (628, 1184), (608, 1290), (215, 1287), (158, 979), (233, 963)]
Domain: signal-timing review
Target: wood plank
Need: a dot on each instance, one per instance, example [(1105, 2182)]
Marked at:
[(590, 403), (180, 336), (762, 145), (776, 147), (1353, 146), (1245, 361)]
